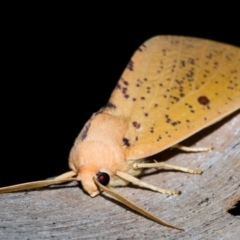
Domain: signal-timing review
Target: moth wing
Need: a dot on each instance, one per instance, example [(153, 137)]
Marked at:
[(172, 88)]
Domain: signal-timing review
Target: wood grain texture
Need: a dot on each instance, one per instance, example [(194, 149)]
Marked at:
[(65, 212)]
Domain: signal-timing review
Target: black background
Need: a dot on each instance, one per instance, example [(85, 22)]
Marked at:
[(60, 64)]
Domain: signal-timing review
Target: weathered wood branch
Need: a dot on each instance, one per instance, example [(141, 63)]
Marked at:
[(66, 212)]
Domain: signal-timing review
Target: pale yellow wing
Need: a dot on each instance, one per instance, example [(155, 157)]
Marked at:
[(173, 87)]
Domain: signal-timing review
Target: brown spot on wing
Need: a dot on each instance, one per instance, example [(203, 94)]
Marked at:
[(130, 65), (136, 124), (84, 132), (110, 105), (203, 100), (126, 142)]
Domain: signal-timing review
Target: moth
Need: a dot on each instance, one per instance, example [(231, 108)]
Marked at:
[(172, 87)]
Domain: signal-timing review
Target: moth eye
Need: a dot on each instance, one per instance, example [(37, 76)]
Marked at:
[(103, 178)]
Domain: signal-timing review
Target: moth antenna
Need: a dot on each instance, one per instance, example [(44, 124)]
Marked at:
[(133, 206), (140, 183), (65, 175), (34, 185)]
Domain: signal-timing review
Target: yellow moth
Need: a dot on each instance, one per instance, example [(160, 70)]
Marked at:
[(172, 88)]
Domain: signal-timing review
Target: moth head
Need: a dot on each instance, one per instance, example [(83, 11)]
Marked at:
[(86, 177), (93, 160)]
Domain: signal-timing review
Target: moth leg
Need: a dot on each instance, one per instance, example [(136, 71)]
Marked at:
[(165, 165), (140, 183), (192, 149)]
